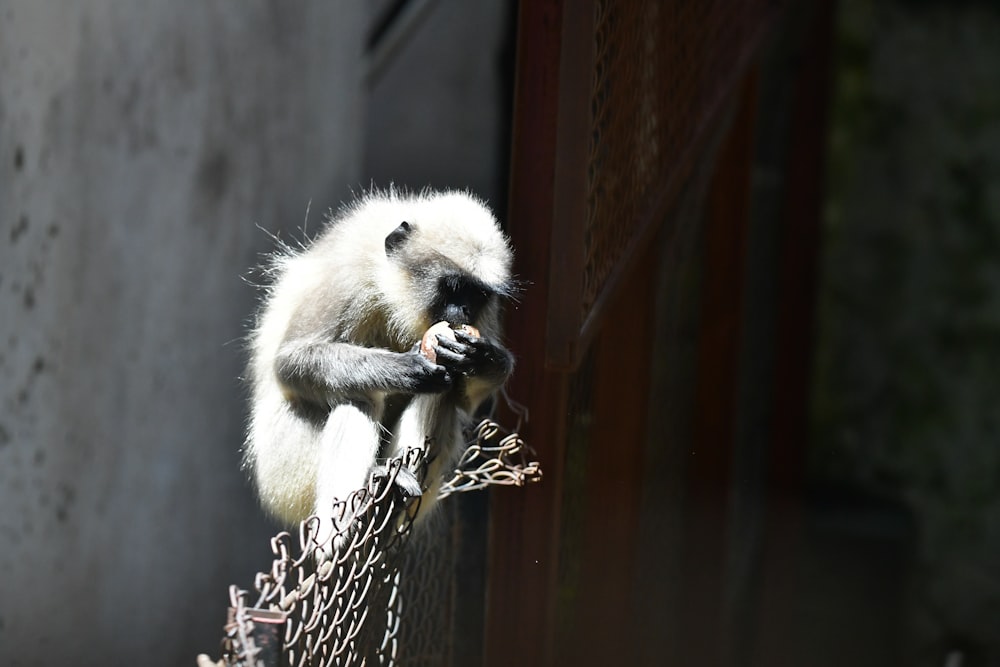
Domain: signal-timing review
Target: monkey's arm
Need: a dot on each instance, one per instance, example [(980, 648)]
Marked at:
[(323, 371), (482, 365)]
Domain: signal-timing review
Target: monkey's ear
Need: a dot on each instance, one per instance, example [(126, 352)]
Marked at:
[(396, 237)]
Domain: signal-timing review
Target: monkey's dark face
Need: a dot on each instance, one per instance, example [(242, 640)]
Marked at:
[(435, 277), (459, 299)]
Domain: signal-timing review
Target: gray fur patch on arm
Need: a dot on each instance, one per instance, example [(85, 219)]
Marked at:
[(325, 372)]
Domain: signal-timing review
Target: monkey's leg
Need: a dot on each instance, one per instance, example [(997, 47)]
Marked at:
[(430, 422), (348, 447)]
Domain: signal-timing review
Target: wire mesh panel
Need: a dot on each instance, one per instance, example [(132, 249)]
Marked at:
[(429, 590), (619, 103), (378, 591), (659, 74)]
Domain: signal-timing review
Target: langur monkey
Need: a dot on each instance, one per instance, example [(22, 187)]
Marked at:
[(338, 382)]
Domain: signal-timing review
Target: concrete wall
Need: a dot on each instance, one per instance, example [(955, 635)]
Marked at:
[(140, 143), (437, 115)]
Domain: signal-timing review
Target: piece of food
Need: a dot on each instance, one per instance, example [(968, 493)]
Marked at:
[(429, 340)]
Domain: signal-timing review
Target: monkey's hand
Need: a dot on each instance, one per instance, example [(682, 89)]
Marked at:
[(421, 376), (473, 356)]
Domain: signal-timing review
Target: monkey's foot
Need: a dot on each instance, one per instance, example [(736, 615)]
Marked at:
[(405, 480)]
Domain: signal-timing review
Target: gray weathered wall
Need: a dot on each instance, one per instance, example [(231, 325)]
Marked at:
[(436, 116), (140, 143)]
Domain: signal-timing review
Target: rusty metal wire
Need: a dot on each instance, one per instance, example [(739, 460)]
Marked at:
[(484, 463), (639, 87), (348, 599), (661, 71)]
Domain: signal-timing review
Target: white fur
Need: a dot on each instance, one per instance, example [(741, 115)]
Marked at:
[(342, 289)]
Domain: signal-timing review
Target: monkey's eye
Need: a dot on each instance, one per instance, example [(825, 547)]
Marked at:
[(477, 296), (465, 290)]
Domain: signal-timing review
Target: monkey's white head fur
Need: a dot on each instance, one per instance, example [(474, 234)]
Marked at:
[(449, 231)]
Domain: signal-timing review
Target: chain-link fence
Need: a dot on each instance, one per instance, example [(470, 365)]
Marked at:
[(376, 592)]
